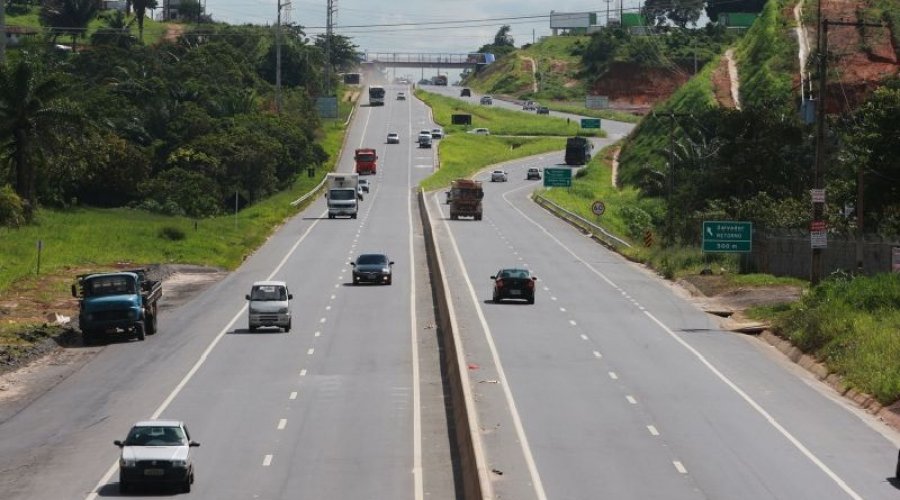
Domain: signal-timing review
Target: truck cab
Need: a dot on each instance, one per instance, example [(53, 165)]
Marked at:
[(121, 303), (366, 161)]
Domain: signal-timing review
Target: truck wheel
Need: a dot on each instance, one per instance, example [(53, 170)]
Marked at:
[(353, 216), (288, 327), (331, 216), (253, 328), (88, 337), (478, 217), (150, 324), (139, 331)]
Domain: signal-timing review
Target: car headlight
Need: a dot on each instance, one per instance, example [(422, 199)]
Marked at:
[(179, 463), (385, 269), (126, 462)]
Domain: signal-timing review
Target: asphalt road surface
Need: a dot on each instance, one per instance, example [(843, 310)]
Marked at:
[(612, 385), (350, 404)]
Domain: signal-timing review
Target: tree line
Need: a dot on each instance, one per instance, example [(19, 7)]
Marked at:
[(177, 127)]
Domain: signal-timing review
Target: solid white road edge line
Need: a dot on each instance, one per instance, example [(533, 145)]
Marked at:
[(190, 374), (721, 376), (517, 421)]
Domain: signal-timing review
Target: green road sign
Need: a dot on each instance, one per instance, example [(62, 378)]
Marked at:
[(727, 236), (590, 123), (557, 177)]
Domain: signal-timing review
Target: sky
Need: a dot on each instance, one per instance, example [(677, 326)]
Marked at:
[(463, 37)]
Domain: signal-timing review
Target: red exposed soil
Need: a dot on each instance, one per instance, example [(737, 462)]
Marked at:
[(861, 58), (634, 87), (526, 65)]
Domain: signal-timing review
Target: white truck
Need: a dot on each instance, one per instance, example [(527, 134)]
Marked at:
[(341, 192)]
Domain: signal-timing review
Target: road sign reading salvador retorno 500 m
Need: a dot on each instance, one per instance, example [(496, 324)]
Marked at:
[(727, 236)]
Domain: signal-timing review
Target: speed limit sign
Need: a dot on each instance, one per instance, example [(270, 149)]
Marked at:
[(598, 208)]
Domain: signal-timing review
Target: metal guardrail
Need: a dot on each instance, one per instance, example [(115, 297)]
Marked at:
[(580, 222), (320, 185)]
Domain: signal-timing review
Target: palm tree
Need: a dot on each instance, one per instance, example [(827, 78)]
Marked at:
[(117, 31), (29, 106), (140, 10), (69, 17)]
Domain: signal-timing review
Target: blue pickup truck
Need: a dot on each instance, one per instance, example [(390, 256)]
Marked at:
[(121, 303)]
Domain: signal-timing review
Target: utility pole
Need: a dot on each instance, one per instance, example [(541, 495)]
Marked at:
[(607, 11), (278, 57), (329, 33), (815, 274)]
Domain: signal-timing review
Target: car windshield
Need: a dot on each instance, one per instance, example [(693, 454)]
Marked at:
[(268, 292), (109, 285), (365, 157), (155, 436), (371, 259), (343, 194), (514, 273)]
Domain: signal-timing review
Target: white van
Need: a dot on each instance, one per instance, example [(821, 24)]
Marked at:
[(270, 305)]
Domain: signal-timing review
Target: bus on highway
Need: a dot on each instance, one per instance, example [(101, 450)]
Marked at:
[(376, 95)]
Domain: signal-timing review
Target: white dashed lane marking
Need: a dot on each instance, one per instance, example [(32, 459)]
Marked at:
[(310, 351), (584, 337), (303, 372), (267, 461), (597, 354), (679, 467), (572, 322), (613, 376), (653, 431), (282, 424), (631, 400), (317, 334), (293, 395)]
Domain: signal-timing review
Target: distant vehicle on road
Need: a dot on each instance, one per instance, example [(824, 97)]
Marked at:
[(437, 133), (465, 92), (401, 96), (543, 110), (121, 303), (533, 174), (372, 268), (342, 195), (425, 140), (480, 131), (528, 106), (269, 305), (439, 80), (513, 283), (578, 150), (487, 100), (393, 138), (376, 95), (498, 176), (156, 452), (464, 198), (364, 185), (366, 161)]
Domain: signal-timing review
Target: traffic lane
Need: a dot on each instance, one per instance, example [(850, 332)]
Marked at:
[(123, 383), (571, 410), (615, 130), (810, 411)]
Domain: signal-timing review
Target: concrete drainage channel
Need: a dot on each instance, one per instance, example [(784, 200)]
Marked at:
[(473, 470)]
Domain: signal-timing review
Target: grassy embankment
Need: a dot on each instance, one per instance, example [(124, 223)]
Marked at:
[(153, 30), (464, 154), (560, 88), (851, 324), (96, 238)]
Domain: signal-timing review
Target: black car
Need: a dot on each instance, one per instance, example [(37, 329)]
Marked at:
[(514, 284), (372, 268), (543, 110), (465, 93)]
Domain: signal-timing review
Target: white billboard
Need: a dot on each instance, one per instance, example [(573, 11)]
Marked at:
[(565, 20)]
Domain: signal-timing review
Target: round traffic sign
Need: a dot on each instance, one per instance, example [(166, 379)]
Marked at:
[(598, 208)]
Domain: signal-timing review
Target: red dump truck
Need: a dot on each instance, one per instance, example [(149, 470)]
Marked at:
[(366, 161)]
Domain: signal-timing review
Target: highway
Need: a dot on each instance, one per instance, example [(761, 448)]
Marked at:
[(613, 385), (350, 404)]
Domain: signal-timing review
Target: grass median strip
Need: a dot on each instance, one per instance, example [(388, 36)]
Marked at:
[(501, 121)]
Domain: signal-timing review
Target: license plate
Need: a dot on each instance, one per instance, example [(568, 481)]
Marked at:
[(515, 292), (154, 472)]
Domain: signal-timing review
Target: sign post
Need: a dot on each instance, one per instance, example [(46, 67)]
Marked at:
[(557, 177), (727, 236), (598, 207)]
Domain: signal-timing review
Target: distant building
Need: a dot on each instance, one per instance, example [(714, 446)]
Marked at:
[(113, 5), (170, 10)]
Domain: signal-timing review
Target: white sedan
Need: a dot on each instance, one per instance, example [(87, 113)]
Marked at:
[(480, 131), (498, 176), (156, 452)]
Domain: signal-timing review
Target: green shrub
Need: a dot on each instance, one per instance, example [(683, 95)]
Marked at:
[(172, 233), (636, 220), (12, 210)]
